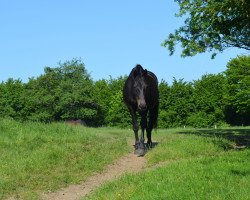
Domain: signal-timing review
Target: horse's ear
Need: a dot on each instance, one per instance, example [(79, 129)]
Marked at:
[(145, 72)]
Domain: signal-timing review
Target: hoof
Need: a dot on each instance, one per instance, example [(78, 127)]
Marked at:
[(139, 152), (140, 149)]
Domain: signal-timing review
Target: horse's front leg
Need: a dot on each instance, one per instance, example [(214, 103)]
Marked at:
[(135, 127), (139, 146), (143, 125), (135, 124)]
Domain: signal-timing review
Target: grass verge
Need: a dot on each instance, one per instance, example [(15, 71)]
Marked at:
[(192, 164), (39, 157)]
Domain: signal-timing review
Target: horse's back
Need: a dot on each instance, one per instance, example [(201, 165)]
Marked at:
[(153, 84), (153, 76)]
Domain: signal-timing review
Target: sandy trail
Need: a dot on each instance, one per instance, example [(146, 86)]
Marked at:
[(129, 163)]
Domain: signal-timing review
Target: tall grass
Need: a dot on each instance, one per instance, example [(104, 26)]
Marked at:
[(191, 165), (39, 157)]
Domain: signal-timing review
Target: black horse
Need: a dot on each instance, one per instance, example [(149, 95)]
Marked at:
[(140, 93)]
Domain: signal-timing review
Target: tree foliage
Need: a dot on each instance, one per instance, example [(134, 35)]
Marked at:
[(67, 92), (209, 101), (176, 106), (108, 95), (11, 98), (238, 90), (212, 26), (61, 93)]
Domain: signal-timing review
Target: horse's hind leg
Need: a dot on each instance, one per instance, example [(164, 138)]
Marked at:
[(149, 142), (149, 131)]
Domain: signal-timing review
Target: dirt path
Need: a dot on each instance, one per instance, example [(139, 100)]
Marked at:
[(129, 163)]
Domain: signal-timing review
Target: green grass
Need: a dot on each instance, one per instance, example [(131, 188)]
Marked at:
[(192, 164), (38, 157)]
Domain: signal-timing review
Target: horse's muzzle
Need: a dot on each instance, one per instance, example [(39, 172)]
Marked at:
[(142, 107)]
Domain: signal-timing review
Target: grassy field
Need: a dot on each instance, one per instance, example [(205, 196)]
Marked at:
[(184, 164), (39, 157), (192, 164)]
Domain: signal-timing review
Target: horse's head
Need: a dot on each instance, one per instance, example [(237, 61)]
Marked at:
[(140, 87)]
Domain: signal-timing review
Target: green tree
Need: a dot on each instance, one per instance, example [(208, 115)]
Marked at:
[(238, 97), (62, 93), (76, 93), (40, 98), (211, 25), (11, 101), (176, 103), (117, 112), (102, 94), (209, 99), (164, 117)]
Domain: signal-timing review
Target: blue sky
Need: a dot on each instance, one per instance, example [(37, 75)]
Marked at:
[(110, 37)]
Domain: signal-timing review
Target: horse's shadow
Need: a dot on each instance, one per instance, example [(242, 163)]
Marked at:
[(154, 144), (240, 136)]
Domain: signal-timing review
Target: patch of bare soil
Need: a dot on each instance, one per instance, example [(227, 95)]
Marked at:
[(127, 164)]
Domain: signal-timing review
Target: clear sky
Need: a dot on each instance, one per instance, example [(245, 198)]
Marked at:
[(110, 37)]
